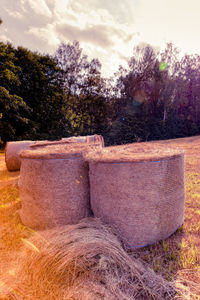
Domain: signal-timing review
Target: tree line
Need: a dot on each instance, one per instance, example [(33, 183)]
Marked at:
[(48, 97)]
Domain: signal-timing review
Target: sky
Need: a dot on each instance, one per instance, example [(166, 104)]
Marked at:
[(106, 29)]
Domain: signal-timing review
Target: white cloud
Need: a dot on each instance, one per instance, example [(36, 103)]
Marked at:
[(46, 34), (39, 7), (4, 38), (104, 35), (62, 11), (15, 14), (94, 34), (102, 27)]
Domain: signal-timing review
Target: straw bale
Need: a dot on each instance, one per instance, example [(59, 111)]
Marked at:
[(135, 152), (93, 139), (12, 152), (54, 186), (139, 192), (86, 139), (46, 143), (84, 262), (60, 150)]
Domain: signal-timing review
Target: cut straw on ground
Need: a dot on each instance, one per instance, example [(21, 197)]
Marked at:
[(84, 261)]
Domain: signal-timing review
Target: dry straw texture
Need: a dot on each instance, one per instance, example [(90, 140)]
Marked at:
[(138, 191), (87, 139), (12, 152), (83, 262), (54, 185), (136, 152), (90, 139), (60, 150)]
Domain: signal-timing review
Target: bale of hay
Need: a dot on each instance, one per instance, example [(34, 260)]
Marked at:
[(93, 139), (12, 152), (46, 143), (54, 186), (83, 261), (138, 190), (87, 139)]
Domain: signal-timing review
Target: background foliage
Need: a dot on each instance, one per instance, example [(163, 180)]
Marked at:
[(47, 97)]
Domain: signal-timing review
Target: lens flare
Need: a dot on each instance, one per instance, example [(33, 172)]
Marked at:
[(139, 98), (163, 66)]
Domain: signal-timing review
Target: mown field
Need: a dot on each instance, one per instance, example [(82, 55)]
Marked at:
[(180, 254), (173, 258)]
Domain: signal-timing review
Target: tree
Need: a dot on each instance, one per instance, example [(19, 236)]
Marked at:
[(146, 101), (8, 69), (13, 121), (33, 78), (14, 113), (42, 91), (85, 90)]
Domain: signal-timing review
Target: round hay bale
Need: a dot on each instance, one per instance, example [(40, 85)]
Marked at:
[(12, 152), (93, 139), (86, 139), (45, 143), (89, 139), (54, 186), (84, 261), (138, 190)]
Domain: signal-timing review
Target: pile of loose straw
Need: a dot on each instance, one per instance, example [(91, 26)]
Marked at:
[(85, 261)]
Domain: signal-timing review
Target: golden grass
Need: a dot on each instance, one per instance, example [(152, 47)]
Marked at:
[(177, 258)]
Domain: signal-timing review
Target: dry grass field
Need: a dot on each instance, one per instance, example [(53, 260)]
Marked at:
[(177, 257), (180, 254)]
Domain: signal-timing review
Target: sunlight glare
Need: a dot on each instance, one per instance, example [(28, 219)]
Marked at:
[(30, 245)]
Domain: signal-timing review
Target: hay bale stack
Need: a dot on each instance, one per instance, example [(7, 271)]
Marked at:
[(138, 190), (12, 152), (83, 261), (54, 186)]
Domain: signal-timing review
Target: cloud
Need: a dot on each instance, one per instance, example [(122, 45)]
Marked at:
[(92, 22), (100, 35), (15, 14), (46, 34), (120, 11), (40, 7), (104, 28), (123, 57), (4, 38)]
